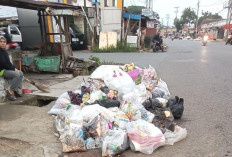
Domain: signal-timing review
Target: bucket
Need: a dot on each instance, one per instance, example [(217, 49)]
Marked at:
[(89, 48)]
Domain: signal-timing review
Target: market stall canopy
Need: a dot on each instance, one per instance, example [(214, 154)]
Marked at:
[(37, 5), (227, 26)]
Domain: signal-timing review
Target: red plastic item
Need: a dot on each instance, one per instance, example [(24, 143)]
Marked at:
[(26, 91)]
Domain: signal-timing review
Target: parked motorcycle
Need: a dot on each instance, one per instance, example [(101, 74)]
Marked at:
[(205, 40), (13, 46), (229, 40)]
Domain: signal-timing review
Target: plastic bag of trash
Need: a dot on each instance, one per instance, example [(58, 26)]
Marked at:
[(177, 106), (61, 103), (144, 136), (149, 72), (72, 139), (96, 127), (114, 143), (91, 111), (121, 121), (134, 74), (91, 143), (120, 81), (2, 96), (96, 95), (108, 103), (173, 137), (163, 87), (157, 93), (103, 70)]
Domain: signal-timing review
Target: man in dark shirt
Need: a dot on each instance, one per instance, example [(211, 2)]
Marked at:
[(158, 39), (8, 71)]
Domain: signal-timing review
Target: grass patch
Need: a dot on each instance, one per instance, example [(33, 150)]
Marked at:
[(121, 47)]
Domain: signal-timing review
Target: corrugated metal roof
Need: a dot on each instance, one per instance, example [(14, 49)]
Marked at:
[(37, 5)]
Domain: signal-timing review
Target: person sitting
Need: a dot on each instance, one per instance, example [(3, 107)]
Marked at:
[(8, 71)]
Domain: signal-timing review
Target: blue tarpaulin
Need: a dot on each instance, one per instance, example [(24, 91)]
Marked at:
[(132, 16), (98, 1)]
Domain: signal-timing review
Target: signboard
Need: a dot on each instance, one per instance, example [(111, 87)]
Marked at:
[(150, 24), (146, 12)]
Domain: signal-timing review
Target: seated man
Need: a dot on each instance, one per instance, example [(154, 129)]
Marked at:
[(8, 71)]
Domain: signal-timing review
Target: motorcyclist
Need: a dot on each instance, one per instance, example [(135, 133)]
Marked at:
[(229, 40), (158, 39)]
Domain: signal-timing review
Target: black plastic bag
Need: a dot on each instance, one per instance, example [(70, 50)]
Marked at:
[(105, 89), (107, 103), (177, 106)]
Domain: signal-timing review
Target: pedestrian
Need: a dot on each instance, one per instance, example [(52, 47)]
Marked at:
[(143, 35), (8, 71)]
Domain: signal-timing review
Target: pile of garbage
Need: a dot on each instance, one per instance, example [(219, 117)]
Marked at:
[(117, 108)]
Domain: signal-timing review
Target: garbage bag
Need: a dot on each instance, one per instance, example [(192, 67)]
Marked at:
[(103, 70), (61, 103), (163, 115), (91, 111), (120, 81), (105, 89), (176, 136), (144, 136), (121, 121), (157, 93), (2, 96), (149, 72), (134, 74), (96, 95), (108, 103), (96, 127), (114, 143), (91, 143), (177, 106), (72, 139), (163, 87)]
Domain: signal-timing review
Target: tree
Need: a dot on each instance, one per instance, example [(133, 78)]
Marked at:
[(188, 16), (208, 15), (178, 24), (135, 9)]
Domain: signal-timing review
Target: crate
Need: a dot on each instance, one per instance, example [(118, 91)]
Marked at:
[(49, 63)]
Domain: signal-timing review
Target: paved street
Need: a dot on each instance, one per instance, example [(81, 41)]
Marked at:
[(202, 76)]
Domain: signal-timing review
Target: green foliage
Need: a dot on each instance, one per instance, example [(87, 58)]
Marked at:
[(96, 59), (178, 24), (121, 47), (135, 9), (188, 16), (208, 15)]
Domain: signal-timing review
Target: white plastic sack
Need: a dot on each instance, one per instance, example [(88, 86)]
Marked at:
[(102, 71), (163, 87), (144, 137), (61, 103), (162, 101), (96, 95), (114, 143), (91, 111), (173, 137), (121, 121), (118, 80)]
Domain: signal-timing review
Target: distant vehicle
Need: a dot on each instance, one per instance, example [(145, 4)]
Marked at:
[(14, 32), (205, 40), (77, 37)]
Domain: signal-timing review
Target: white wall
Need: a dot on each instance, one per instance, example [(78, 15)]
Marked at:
[(111, 20)]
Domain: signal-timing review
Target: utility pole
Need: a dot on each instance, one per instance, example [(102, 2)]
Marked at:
[(85, 25), (167, 18), (198, 6), (176, 11), (228, 5)]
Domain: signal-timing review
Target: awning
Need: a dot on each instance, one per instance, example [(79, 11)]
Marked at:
[(132, 16), (227, 26), (37, 5)]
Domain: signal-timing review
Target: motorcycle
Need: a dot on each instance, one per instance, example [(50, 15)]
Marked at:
[(13, 46), (229, 40), (157, 46), (205, 40)]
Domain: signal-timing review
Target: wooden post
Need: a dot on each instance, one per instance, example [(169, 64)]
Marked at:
[(139, 35), (85, 25), (61, 41)]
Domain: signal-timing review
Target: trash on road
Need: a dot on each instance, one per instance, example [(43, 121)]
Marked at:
[(117, 108)]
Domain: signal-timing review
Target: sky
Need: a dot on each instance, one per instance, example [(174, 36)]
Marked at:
[(164, 7)]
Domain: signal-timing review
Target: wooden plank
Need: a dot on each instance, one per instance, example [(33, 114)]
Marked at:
[(103, 40), (112, 39)]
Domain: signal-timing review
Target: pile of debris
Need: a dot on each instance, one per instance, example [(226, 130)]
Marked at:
[(119, 107)]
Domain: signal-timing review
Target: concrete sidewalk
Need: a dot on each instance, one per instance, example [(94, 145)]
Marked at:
[(28, 130)]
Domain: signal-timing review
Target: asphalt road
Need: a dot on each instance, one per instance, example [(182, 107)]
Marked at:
[(203, 77)]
